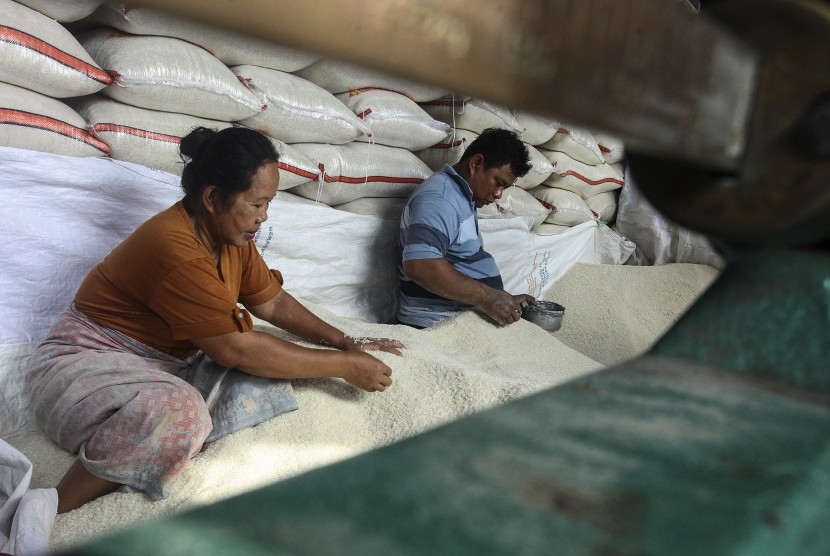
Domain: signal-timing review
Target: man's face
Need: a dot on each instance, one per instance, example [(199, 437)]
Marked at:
[(488, 185)]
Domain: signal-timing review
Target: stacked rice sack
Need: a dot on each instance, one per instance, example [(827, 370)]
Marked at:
[(172, 74), (376, 170), (468, 117), (41, 64), (586, 178), (132, 81)]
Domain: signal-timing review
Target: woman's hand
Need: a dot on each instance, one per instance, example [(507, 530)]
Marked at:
[(366, 372), (372, 344)]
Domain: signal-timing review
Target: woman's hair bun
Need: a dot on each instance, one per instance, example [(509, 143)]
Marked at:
[(193, 144)]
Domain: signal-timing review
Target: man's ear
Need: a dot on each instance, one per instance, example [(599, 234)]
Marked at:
[(210, 199), (476, 163)]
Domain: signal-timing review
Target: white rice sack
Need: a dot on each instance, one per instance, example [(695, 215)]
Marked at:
[(516, 202), (298, 111), (358, 170), (171, 75), (471, 114), (38, 53), (383, 207), (139, 135), (341, 77), (63, 10), (583, 179), (612, 148), (604, 205), (576, 143), (230, 47), (288, 197), (395, 119), (540, 169), (535, 129), (30, 120), (152, 138), (448, 151), (548, 229), (566, 207), (295, 167)]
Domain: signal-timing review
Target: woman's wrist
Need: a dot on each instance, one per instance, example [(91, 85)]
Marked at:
[(345, 342)]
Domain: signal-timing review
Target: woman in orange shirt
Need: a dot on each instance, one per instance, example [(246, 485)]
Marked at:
[(156, 355)]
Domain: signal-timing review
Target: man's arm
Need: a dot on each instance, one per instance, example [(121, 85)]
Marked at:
[(438, 276)]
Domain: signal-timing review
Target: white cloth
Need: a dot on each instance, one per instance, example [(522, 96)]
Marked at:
[(26, 516)]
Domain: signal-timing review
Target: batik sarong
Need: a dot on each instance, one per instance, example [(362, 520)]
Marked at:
[(133, 414)]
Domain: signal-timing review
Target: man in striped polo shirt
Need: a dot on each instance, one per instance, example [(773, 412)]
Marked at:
[(443, 266)]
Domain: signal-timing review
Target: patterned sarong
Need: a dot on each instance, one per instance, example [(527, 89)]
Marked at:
[(135, 415)]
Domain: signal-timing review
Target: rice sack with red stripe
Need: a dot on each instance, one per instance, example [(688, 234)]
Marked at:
[(38, 53), (471, 114), (231, 47), (566, 207), (139, 135), (171, 75), (613, 150), (336, 77), (448, 151), (535, 129), (296, 110), (577, 143), (295, 167), (583, 179), (516, 202), (395, 119), (604, 205), (540, 169), (152, 138), (357, 170), (30, 120)]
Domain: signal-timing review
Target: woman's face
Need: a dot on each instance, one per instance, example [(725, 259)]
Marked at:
[(238, 224)]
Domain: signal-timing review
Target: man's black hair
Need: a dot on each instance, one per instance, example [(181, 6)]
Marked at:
[(500, 147)]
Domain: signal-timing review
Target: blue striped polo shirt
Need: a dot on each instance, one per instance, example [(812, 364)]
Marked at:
[(440, 221)]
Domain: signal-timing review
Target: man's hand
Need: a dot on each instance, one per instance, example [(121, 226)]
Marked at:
[(505, 308), (372, 344), (366, 372)]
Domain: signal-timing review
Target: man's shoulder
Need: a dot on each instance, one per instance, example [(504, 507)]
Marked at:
[(438, 181), (440, 185)]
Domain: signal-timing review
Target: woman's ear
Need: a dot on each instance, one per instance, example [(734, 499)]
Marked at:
[(210, 199)]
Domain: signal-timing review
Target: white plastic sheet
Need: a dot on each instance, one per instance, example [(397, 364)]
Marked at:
[(659, 241)]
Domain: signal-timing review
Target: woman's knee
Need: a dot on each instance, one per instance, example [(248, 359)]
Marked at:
[(177, 407), (168, 417)]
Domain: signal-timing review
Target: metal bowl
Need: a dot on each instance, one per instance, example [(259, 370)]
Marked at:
[(545, 314)]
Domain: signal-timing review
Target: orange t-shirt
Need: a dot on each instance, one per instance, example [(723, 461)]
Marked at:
[(160, 286)]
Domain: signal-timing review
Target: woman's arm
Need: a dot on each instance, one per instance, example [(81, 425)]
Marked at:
[(285, 312), (262, 354)]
